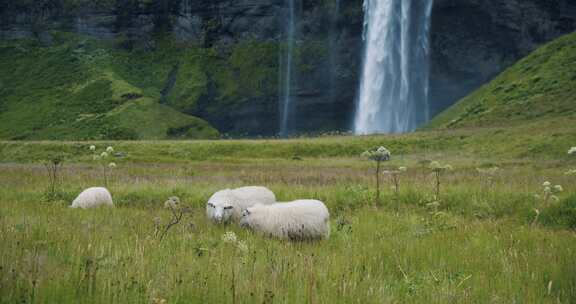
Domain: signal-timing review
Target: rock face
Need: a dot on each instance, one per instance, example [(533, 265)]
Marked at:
[(472, 41)]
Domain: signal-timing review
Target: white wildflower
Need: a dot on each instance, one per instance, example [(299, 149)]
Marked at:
[(382, 150), (554, 198), (104, 155), (92, 148), (402, 169), (159, 301), (242, 246), (558, 188), (380, 154), (110, 150), (157, 220), (572, 151), (436, 166), (229, 237), (172, 203), (112, 165), (547, 190), (488, 171), (570, 172), (546, 184)]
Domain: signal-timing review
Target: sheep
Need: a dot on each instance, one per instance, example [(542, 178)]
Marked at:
[(298, 220), (227, 205), (93, 198)]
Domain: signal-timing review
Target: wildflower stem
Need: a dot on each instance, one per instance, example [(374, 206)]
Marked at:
[(105, 172), (437, 173), (377, 183), (233, 265), (396, 180), (176, 218), (52, 167), (535, 220)]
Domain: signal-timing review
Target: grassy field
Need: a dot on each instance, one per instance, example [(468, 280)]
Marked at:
[(478, 242)]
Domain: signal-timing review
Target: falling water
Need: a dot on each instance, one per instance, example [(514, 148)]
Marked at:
[(286, 77), (393, 94)]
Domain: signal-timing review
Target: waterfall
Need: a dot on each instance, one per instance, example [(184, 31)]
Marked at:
[(393, 96), (286, 70)]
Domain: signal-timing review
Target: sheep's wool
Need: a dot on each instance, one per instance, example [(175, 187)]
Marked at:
[(228, 204), (297, 220), (92, 198)]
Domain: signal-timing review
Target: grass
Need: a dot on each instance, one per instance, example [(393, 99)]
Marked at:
[(81, 88), (546, 139), (541, 86), (476, 246)]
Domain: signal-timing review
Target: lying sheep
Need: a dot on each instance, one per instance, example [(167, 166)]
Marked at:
[(227, 205), (297, 220), (93, 198)]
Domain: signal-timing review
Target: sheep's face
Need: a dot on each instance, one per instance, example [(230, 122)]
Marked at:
[(245, 220), (220, 213)]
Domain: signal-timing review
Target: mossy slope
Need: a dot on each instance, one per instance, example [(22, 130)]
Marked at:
[(75, 90), (541, 86)]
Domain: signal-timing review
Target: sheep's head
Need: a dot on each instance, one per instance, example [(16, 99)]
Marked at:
[(220, 212), (245, 220)]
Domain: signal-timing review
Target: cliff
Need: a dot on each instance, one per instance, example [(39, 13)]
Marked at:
[(219, 60)]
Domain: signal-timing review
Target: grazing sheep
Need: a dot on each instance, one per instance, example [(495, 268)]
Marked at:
[(226, 205), (297, 220), (93, 198)]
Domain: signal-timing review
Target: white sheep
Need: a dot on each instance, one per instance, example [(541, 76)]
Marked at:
[(297, 220), (226, 205), (93, 198)]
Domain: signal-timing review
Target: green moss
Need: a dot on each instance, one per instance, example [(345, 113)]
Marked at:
[(151, 120), (246, 70), (249, 71), (191, 82), (540, 86), (85, 89), (80, 80)]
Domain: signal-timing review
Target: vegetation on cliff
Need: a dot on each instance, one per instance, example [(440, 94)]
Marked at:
[(540, 87), (82, 86)]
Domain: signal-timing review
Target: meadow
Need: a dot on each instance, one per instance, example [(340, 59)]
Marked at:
[(479, 241)]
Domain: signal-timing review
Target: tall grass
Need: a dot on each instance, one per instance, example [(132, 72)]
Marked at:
[(475, 246)]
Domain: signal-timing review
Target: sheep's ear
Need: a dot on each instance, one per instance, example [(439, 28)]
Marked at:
[(245, 212)]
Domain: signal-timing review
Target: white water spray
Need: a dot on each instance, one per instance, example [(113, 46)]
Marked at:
[(286, 77), (394, 84)]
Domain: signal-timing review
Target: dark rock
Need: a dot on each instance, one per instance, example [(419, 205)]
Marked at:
[(472, 41)]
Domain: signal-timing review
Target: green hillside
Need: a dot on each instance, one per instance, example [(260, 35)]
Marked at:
[(540, 87), (82, 89)]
